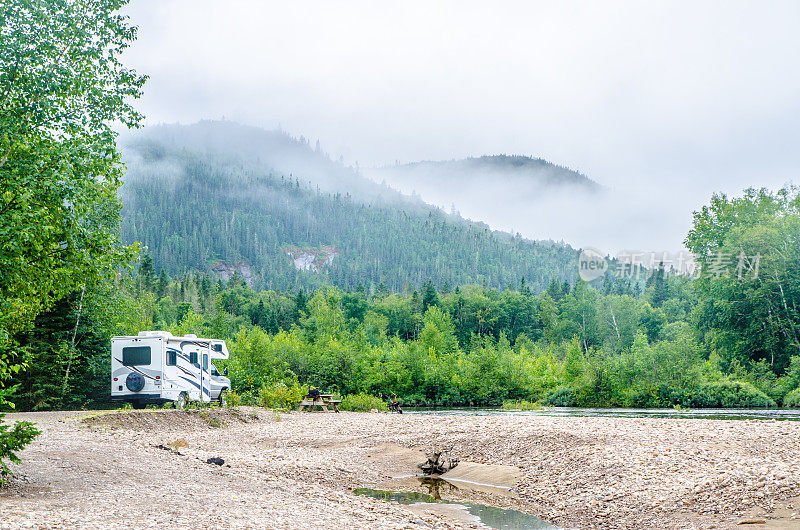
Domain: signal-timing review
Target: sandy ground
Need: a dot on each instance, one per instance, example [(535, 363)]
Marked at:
[(299, 470)]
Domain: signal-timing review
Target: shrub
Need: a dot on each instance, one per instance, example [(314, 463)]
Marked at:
[(599, 389), (281, 396), (728, 395), (362, 403), (13, 440), (560, 397), (520, 404), (792, 399), (249, 397), (233, 400), (648, 397)]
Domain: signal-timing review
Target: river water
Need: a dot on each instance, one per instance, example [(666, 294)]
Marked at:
[(491, 516), (713, 414)]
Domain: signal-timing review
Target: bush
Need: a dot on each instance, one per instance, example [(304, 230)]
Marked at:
[(727, 395), (281, 396), (792, 399), (648, 397), (13, 440), (362, 403), (640, 398), (560, 397), (233, 400), (520, 404), (600, 389)]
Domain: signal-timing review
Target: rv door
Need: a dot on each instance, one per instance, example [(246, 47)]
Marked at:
[(205, 376)]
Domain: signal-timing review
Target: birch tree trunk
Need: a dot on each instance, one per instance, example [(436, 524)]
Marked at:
[(72, 344)]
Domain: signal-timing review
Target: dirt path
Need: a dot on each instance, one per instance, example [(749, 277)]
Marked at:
[(299, 470)]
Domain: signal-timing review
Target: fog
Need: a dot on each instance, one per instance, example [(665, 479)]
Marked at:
[(536, 203), (240, 145), (662, 103)]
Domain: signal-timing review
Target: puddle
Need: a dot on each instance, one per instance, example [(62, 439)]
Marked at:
[(500, 518)]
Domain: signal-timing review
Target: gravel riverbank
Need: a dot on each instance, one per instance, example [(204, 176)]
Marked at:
[(297, 470)]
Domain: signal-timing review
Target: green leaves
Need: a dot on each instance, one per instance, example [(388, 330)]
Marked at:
[(60, 70), (748, 307), (12, 440), (61, 88)]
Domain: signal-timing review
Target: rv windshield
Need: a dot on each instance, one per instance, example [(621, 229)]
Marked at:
[(214, 371)]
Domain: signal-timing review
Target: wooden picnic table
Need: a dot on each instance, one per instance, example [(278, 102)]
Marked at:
[(323, 401)]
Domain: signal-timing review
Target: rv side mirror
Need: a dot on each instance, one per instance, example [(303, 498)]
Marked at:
[(225, 371)]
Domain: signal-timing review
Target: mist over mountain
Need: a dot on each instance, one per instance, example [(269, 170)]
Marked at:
[(534, 176), (537, 198), (272, 150), (219, 197)]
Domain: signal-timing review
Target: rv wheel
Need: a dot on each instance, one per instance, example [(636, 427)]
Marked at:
[(183, 400), (223, 397)]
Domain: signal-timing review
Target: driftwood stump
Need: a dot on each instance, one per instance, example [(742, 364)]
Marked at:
[(436, 464)]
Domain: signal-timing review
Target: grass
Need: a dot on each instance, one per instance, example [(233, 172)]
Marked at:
[(520, 404), (178, 444), (362, 403), (210, 420)]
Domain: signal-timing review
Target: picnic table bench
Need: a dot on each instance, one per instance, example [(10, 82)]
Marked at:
[(323, 401)]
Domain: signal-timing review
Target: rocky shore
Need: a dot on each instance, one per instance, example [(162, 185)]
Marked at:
[(295, 470)]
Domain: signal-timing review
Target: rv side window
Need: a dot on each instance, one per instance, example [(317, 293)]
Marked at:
[(217, 347), (172, 358), (193, 357), (205, 361), (135, 355)]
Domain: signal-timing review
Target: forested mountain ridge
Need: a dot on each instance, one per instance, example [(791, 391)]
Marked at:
[(537, 198), (271, 150), (526, 170), (218, 191)]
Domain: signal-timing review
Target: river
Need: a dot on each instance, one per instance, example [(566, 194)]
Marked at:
[(713, 414)]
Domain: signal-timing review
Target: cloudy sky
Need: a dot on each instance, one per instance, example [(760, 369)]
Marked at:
[(662, 102)]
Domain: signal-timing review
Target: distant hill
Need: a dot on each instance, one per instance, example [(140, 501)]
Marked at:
[(274, 151), (221, 197), (526, 172), (529, 195)]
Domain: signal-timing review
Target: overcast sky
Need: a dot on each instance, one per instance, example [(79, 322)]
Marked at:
[(663, 101)]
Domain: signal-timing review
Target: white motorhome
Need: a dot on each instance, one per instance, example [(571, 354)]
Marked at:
[(155, 367)]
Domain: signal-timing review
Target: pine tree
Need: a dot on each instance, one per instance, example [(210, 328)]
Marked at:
[(300, 304), (429, 296), (660, 286), (146, 273), (163, 282)]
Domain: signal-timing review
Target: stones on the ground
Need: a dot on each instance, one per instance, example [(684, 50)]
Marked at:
[(215, 460), (708, 473)]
